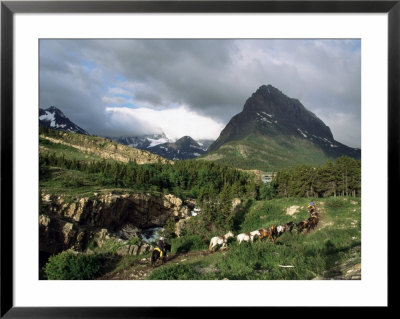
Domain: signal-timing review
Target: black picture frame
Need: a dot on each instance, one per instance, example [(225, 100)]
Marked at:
[(9, 8)]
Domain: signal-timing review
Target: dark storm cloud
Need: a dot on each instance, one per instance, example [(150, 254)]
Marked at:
[(210, 77)]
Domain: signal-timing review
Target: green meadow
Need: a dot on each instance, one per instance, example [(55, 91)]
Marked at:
[(314, 255)]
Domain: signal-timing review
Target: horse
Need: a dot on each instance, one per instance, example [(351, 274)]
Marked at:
[(220, 240), (254, 233), (314, 214), (267, 232), (312, 222), (248, 236), (302, 225), (289, 226), (157, 253), (279, 230)]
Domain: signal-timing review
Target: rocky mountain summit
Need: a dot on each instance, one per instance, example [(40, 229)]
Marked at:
[(270, 112), (55, 119), (274, 131)]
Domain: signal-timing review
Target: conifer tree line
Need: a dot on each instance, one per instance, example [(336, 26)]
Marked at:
[(206, 181), (197, 179), (339, 178)]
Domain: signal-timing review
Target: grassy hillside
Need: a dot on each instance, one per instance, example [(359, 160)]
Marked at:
[(84, 147), (325, 252), (331, 251), (69, 146), (268, 153)]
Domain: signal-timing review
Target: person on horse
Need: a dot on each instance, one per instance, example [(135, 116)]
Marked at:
[(161, 245), (311, 207)]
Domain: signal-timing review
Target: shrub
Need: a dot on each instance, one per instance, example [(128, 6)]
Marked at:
[(187, 243), (178, 272), (196, 226), (68, 266), (169, 228)]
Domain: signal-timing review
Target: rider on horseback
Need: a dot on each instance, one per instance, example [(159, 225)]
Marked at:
[(311, 207), (161, 245)]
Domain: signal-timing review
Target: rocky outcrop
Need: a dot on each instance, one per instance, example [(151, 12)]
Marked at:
[(113, 211), (180, 225), (56, 235), (68, 224)]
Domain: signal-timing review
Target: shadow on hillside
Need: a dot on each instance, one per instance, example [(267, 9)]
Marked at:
[(331, 254), (332, 258), (241, 214), (109, 263)]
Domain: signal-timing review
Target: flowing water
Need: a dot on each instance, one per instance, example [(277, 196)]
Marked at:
[(151, 234)]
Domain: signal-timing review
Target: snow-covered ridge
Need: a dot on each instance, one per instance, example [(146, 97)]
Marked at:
[(48, 116), (154, 142), (302, 133)]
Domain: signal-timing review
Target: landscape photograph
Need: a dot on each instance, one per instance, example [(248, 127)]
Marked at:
[(199, 159)]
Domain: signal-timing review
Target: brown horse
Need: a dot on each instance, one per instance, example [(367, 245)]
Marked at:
[(314, 214), (312, 222), (267, 232), (301, 226)]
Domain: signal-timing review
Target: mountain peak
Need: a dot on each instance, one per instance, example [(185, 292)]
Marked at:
[(54, 118), (267, 89), (186, 139), (270, 113)]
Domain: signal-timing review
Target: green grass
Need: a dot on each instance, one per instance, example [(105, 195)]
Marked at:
[(268, 153), (312, 255), (69, 152), (188, 243), (76, 184)]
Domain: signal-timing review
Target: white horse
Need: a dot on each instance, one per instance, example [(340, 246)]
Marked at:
[(279, 230), (254, 234), (220, 240), (247, 236)]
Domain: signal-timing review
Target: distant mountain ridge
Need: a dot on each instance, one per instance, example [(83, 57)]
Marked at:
[(55, 119), (158, 144), (141, 142), (183, 148), (281, 129)]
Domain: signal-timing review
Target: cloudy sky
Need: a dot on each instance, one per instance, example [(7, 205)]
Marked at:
[(194, 87)]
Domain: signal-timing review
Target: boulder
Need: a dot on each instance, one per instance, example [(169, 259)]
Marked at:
[(123, 250), (144, 249)]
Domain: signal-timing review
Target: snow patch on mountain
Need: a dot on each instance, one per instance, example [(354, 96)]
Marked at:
[(154, 142), (302, 133)]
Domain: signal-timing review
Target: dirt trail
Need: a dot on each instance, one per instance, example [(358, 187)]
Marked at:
[(142, 267)]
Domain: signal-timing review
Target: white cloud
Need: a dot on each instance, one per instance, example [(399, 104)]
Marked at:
[(212, 78), (174, 122)]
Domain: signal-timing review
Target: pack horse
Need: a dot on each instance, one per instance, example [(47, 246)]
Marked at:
[(220, 240)]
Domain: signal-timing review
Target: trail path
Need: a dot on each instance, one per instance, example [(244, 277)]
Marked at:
[(350, 270), (142, 268)]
